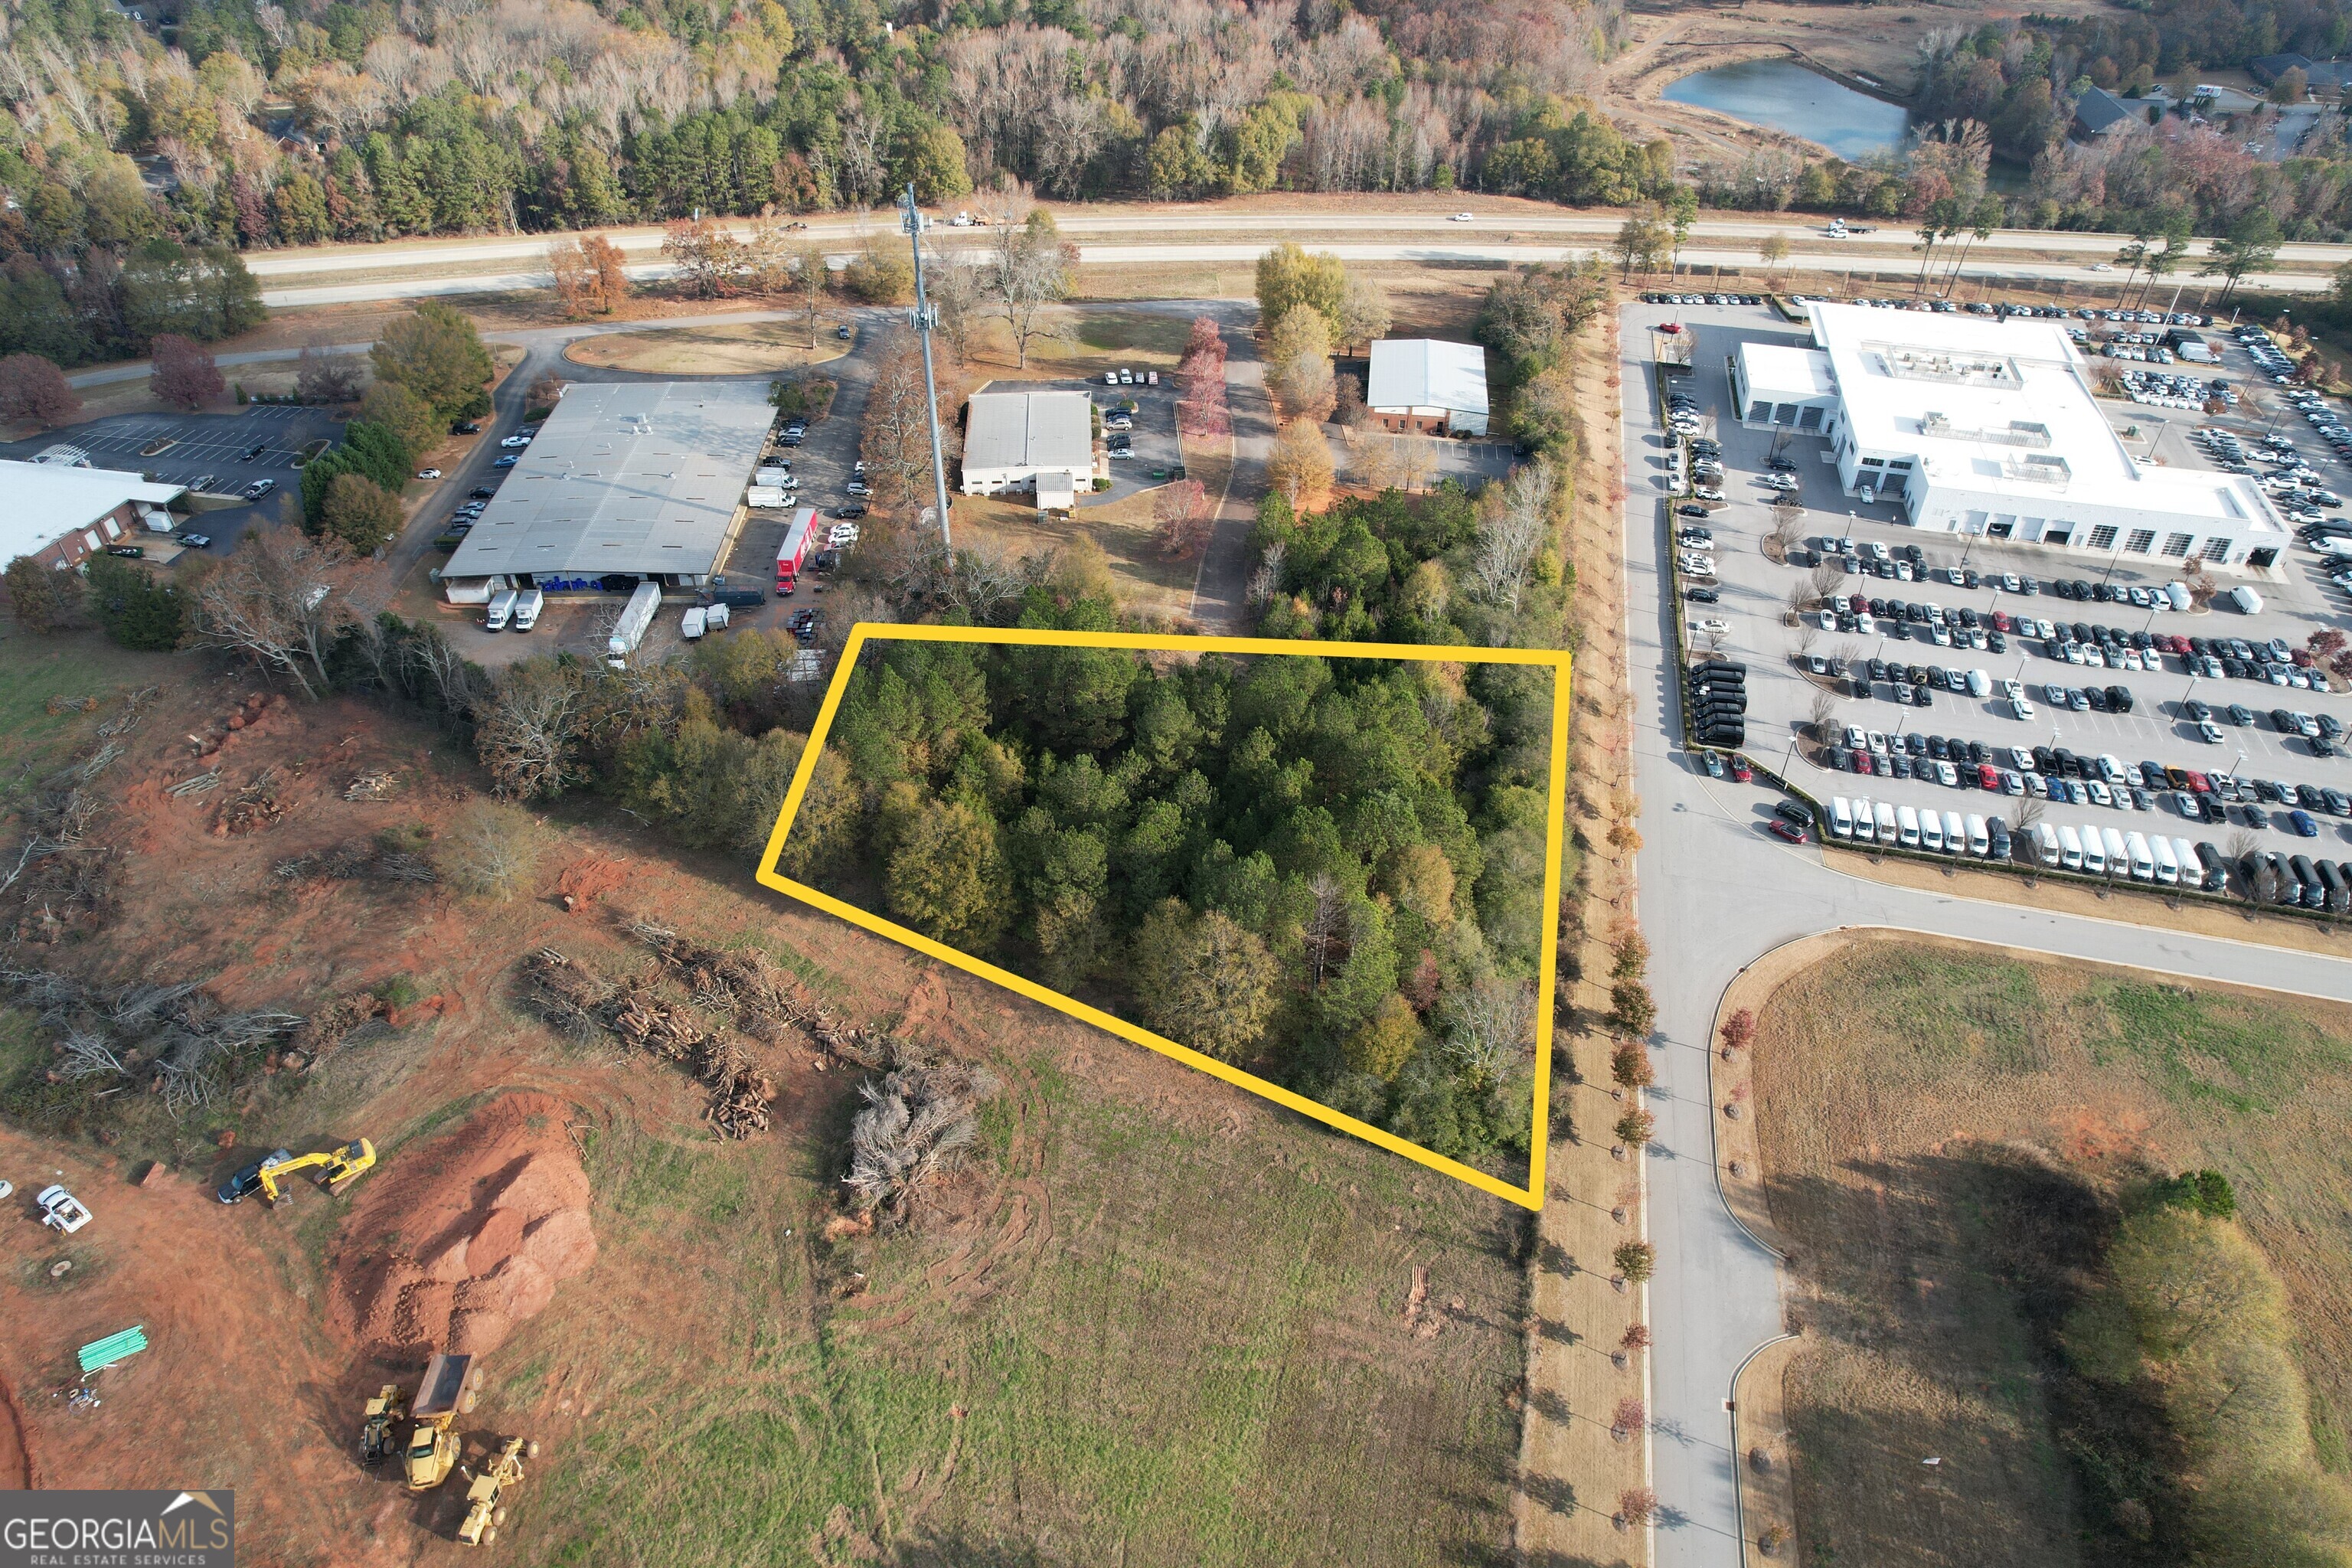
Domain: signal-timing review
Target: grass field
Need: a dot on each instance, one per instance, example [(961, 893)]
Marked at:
[(1149, 582), (1942, 1127), (69, 667), (1158, 1345), (741, 349)]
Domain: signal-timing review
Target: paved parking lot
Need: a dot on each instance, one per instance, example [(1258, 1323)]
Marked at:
[(1754, 602), (203, 445)]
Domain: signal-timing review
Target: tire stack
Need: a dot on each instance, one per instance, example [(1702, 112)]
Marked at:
[(1717, 703)]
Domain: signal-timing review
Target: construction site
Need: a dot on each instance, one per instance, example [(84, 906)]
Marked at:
[(441, 1175)]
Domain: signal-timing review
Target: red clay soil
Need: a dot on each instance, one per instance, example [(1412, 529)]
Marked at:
[(466, 1238), (15, 1459)]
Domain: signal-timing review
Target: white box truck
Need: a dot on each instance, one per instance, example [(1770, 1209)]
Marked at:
[(529, 603), (690, 626), (502, 604), (766, 497), (2245, 600), (630, 629)]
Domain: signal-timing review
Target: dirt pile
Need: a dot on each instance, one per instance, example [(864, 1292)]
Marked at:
[(467, 1237)]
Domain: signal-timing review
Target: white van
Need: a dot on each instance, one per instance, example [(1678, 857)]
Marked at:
[(502, 604), (529, 603), (2168, 868), (1931, 831), (2045, 843), (1979, 684), (2192, 864), (2142, 860), (2070, 848), (1865, 825), (1885, 811), (1979, 837), (1841, 817), (2111, 841), (1906, 827), (2178, 593), (1955, 834)]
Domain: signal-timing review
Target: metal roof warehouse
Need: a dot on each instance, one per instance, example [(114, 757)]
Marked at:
[(636, 479)]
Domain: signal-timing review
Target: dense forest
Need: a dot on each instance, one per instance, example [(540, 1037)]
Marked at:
[(1329, 871)]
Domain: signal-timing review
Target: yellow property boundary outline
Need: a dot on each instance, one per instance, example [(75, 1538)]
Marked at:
[(1530, 1196)]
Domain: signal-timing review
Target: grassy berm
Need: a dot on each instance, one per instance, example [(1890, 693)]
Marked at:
[(1957, 1142)]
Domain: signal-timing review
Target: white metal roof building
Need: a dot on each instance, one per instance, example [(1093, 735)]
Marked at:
[(58, 513), (642, 478), (1993, 427), (1428, 386), (1014, 440)]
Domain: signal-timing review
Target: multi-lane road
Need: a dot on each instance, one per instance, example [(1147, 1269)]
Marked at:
[(1495, 231)]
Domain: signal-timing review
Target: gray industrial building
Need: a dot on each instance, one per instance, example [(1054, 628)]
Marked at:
[(624, 480)]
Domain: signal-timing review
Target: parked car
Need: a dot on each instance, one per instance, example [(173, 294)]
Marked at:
[(506, 462), (428, 473), (842, 536), (253, 451), (466, 427), (258, 489), (203, 482), (196, 541), (850, 509)]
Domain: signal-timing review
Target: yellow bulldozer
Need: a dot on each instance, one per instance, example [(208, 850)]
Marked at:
[(387, 1410), (486, 1508), (432, 1451), (337, 1168)]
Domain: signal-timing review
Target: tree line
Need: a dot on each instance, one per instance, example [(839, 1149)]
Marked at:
[(1327, 871)]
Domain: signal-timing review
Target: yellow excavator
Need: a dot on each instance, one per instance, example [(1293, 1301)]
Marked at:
[(485, 1498), (432, 1450), (338, 1169), (385, 1410)]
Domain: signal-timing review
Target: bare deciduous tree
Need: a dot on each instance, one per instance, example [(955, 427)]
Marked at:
[(321, 375), (1028, 269), (1514, 525), (533, 724), (1489, 1028), (279, 600)]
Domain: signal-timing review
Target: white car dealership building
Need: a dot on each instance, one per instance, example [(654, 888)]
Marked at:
[(1991, 427)]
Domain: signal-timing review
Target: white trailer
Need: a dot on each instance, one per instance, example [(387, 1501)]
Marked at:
[(630, 630)]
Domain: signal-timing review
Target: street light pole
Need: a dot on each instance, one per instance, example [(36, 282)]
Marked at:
[(924, 321)]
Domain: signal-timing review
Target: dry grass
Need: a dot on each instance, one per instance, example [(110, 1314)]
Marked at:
[(1149, 584), (746, 348), (1571, 1471), (1920, 1102)]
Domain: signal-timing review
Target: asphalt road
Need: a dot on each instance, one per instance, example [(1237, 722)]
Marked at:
[(1488, 219), (397, 281), (1717, 892)]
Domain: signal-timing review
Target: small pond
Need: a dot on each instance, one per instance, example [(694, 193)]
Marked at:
[(1785, 96)]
